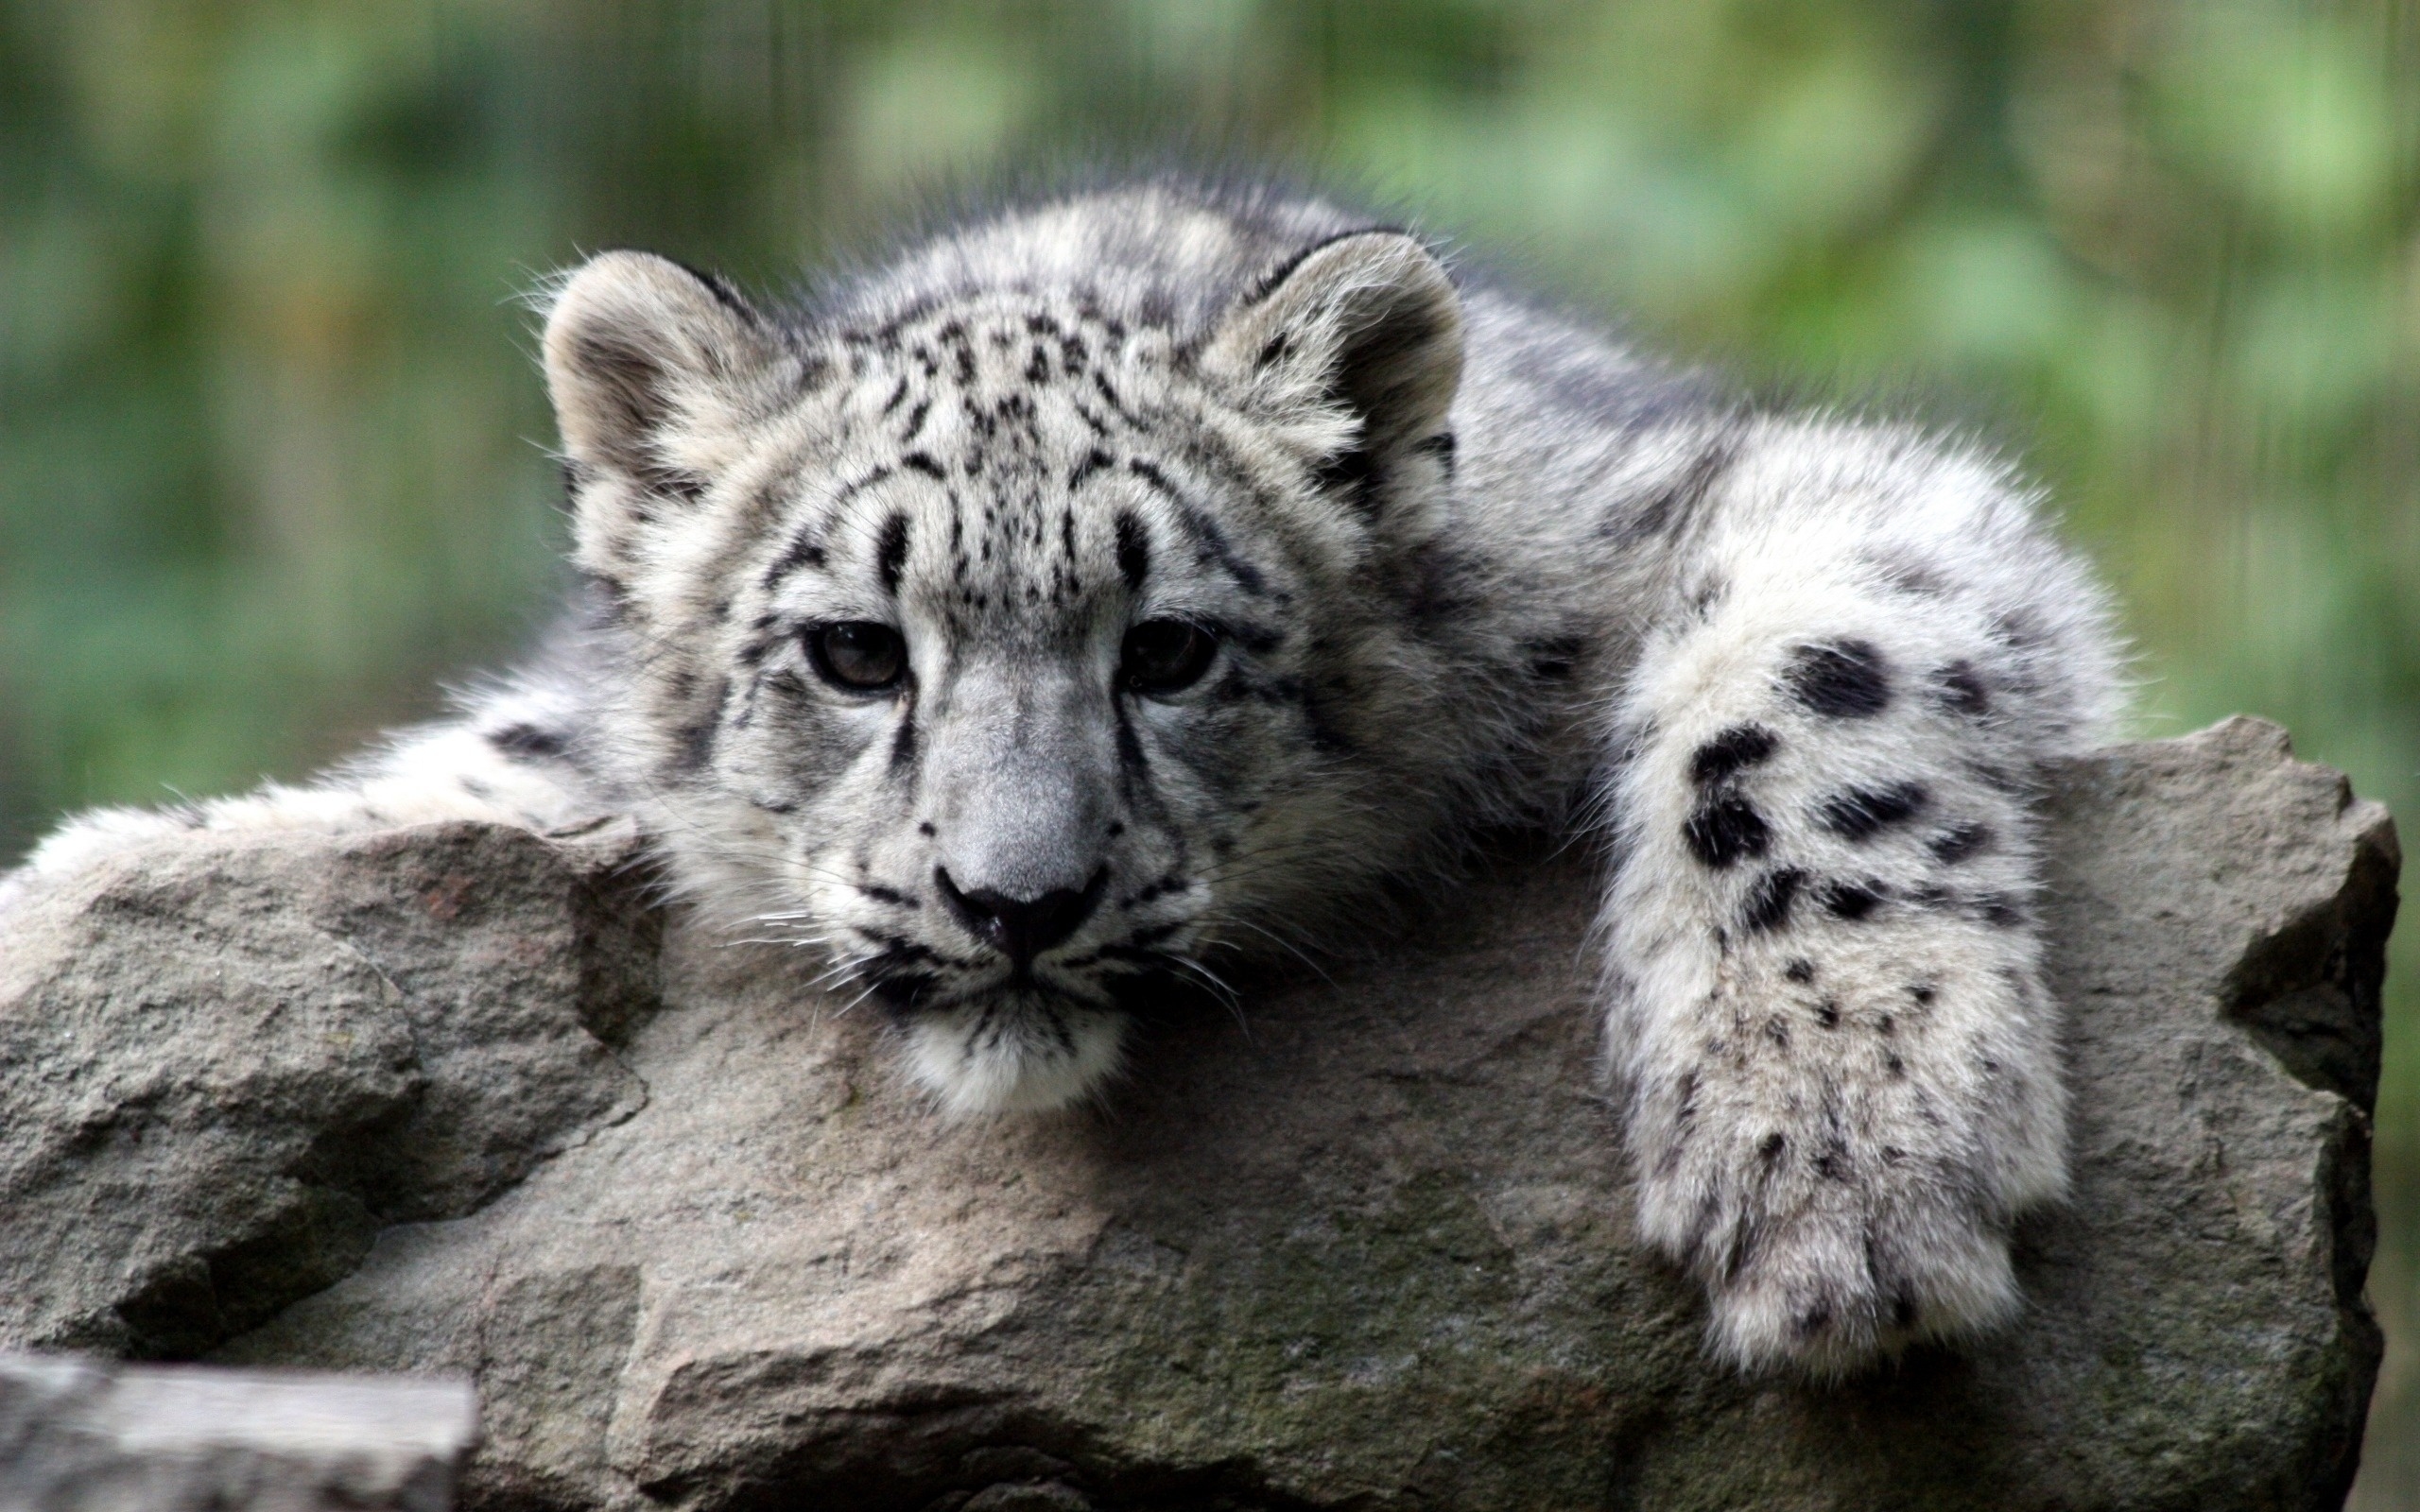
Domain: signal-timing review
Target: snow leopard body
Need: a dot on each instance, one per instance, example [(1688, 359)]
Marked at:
[(1447, 562)]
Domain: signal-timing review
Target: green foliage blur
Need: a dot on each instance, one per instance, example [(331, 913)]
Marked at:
[(272, 446)]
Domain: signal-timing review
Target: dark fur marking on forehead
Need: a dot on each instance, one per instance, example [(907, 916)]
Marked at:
[(927, 464), (1133, 551), (891, 554), (804, 550), (916, 421), (961, 345), (1205, 531), (898, 396), (1094, 461)]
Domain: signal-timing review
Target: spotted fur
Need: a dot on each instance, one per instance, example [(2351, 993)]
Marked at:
[(1457, 562)]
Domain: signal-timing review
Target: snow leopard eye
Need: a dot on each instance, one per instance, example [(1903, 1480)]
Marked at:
[(1161, 656), (859, 655)]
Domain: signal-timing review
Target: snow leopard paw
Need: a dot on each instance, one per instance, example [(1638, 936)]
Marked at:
[(1843, 1141), (1823, 959)]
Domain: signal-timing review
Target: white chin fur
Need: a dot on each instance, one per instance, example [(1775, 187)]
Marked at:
[(1028, 1056)]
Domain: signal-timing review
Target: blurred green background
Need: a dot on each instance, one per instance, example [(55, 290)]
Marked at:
[(271, 441)]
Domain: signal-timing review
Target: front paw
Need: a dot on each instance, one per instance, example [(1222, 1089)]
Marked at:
[(1839, 1154), (1833, 1283)]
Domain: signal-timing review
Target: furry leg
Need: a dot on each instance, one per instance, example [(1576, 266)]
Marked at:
[(509, 760), (1825, 999)]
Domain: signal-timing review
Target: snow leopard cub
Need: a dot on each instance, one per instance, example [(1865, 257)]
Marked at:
[(1164, 568)]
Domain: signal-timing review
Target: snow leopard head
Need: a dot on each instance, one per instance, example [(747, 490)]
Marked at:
[(1027, 622)]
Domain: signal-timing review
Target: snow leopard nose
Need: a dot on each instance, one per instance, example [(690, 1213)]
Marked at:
[(1021, 929)]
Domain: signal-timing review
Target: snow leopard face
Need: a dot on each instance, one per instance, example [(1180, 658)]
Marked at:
[(1012, 648)]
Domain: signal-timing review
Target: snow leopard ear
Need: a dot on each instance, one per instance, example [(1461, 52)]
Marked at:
[(649, 366), (1365, 330)]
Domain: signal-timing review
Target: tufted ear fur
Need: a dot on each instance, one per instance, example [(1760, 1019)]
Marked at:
[(1367, 330), (649, 366)]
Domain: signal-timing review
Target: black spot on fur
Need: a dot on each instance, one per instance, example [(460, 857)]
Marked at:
[(926, 463), (1132, 764), (1679, 503), (1734, 750), (1094, 461), (1767, 906), (1442, 446), (1133, 551), (695, 745), (1117, 405), (891, 552), (1349, 474), (1772, 1146), (1957, 845), (1852, 900), (530, 741), (802, 551), (2001, 911), (1846, 680), (1208, 538), (1827, 1013), (1725, 827), (1962, 688), (1801, 970), (1861, 813), (1923, 993), (1552, 660)]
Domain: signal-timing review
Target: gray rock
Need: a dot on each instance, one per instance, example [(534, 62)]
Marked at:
[(226, 1064), (77, 1436), (1365, 1244)]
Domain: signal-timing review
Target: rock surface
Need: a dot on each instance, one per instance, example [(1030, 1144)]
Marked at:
[(1368, 1246), (80, 1436)]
